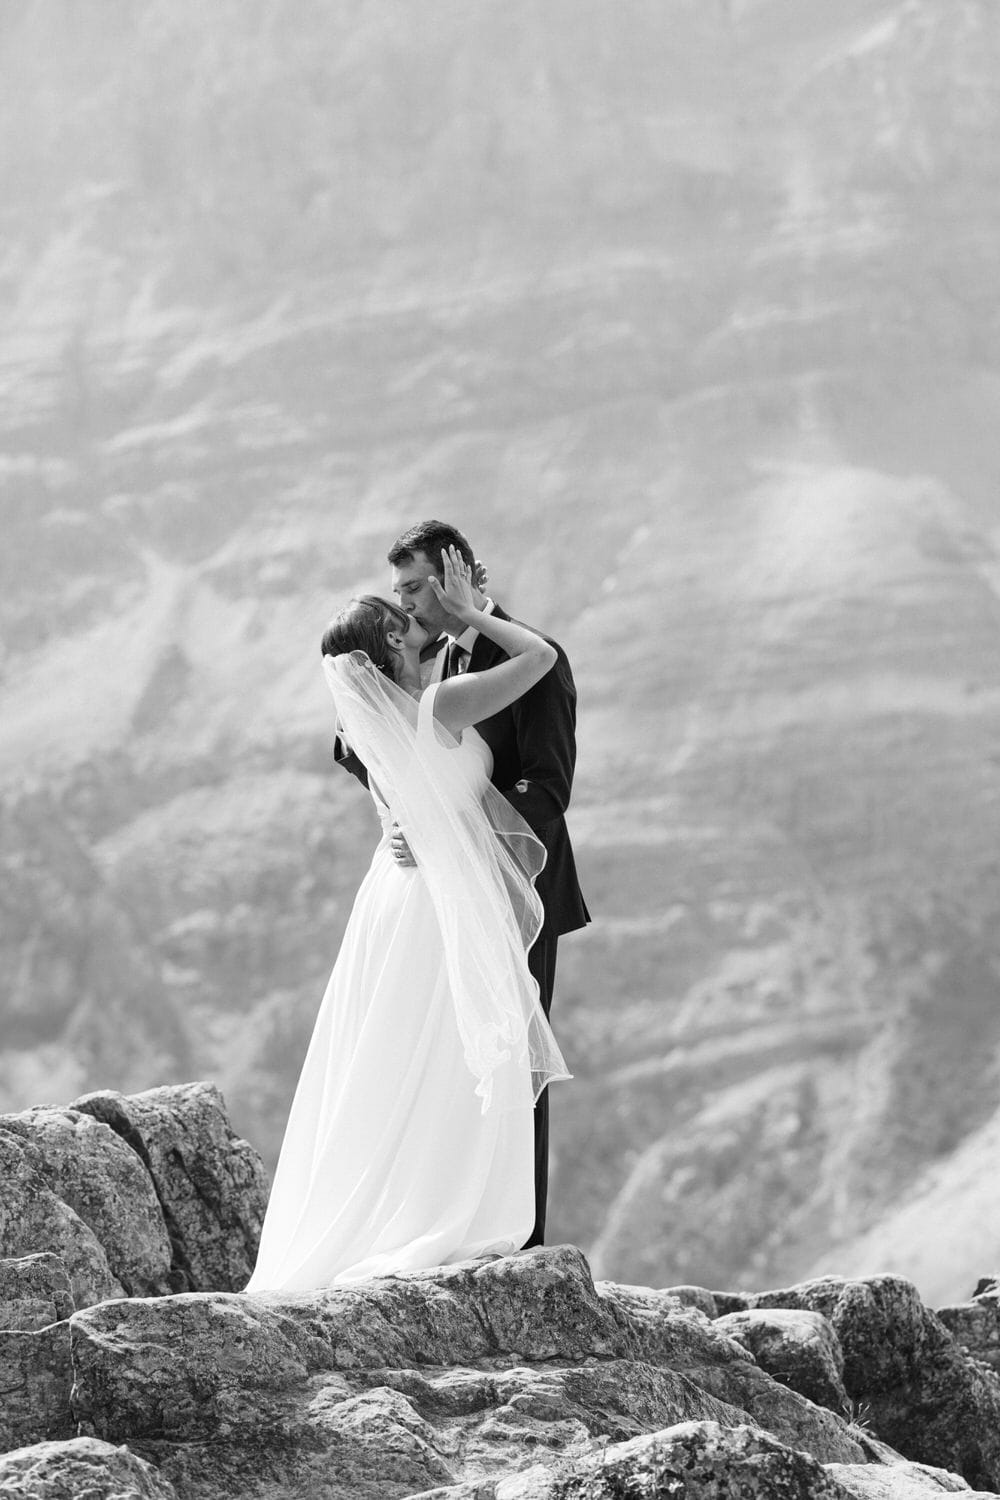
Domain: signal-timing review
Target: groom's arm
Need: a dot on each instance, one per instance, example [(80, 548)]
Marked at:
[(545, 730), (345, 756)]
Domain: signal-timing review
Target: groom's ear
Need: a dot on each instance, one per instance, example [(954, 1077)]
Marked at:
[(480, 575)]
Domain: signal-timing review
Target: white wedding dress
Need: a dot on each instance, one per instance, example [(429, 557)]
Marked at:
[(391, 1161)]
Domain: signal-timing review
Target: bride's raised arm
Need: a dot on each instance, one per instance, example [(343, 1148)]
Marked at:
[(469, 699)]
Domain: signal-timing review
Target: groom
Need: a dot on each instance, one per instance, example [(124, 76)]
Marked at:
[(534, 754)]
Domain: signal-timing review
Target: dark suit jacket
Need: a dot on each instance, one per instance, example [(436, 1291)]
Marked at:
[(534, 754)]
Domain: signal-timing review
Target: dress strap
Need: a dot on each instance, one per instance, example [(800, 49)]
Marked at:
[(425, 708)]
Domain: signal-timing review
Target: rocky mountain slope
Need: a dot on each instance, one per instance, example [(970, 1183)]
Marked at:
[(686, 314)]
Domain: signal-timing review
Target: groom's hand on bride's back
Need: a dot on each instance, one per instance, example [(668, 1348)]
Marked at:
[(401, 851)]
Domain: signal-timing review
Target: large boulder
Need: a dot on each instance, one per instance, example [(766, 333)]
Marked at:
[(905, 1375), (111, 1230), (675, 1332), (34, 1217), (138, 1195), (975, 1325), (110, 1198), (795, 1346), (80, 1469), (211, 1185), (701, 1461)]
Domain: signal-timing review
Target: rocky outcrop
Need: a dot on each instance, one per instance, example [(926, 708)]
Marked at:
[(511, 1378), (107, 1198), (138, 1195), (495, 1379), (81, 1469), (414, 1382), (74, 1187), (209, 1184), (905, 1374), (799, 1348), (975, 1325)]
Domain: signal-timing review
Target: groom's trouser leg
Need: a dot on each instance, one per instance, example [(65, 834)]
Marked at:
[(542, 963)]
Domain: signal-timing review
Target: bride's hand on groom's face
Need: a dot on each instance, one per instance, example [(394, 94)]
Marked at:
[(458, 591)]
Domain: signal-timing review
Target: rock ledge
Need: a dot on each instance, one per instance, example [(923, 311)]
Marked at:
[(133, 1366)]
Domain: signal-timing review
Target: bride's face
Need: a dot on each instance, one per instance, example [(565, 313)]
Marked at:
[(414, 637)]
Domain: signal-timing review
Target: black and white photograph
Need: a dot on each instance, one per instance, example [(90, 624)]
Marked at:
[(499, 749)]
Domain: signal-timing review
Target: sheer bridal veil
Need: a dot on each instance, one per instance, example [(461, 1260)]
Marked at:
[(480, 861)]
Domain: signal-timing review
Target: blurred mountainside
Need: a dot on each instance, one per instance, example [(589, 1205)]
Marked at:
[(686, 313)]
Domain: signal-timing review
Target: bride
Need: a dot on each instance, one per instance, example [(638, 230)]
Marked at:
[(409, 1142)]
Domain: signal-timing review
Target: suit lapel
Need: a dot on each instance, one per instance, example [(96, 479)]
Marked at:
[(486, 653)]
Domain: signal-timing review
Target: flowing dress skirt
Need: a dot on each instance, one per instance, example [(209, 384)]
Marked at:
[(388, 1163)]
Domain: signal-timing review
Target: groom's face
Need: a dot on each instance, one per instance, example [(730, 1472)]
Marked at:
[(415, 595)]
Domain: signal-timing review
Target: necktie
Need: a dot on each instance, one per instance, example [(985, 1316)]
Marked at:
[(458, 659)]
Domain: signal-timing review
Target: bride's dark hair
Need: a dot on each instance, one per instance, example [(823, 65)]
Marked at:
[(364, 625)]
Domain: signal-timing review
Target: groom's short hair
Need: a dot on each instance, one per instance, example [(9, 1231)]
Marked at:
[(430, 538)]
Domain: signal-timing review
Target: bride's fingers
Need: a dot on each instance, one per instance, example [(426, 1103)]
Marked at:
[(453, 566), (455, 570)]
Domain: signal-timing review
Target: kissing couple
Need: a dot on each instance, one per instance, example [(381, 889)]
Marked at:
[(418, 1134)]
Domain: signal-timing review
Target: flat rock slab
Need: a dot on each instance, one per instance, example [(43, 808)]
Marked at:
[(902, 1481)]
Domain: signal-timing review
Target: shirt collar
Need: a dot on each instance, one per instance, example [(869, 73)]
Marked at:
[(468, 637)]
